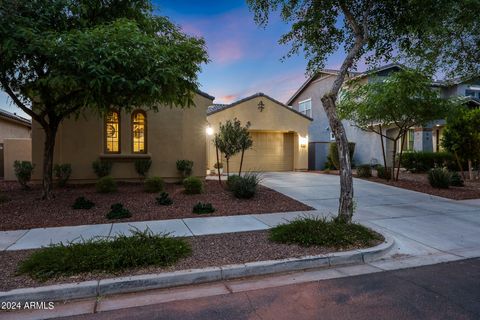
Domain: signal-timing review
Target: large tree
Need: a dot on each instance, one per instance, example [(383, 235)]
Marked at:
[(375, 30), (60, 57)]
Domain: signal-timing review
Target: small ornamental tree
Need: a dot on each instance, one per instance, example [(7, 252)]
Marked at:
[(231, 139), (61, 57), (245, 142)]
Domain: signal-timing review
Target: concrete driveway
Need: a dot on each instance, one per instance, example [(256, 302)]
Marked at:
[(422, 225)]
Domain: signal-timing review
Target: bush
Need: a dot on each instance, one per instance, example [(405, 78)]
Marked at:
[(62, 173), (231, 180), (202, 208), (142, 166), (384, 172), (82, 203), (218, 165), (142, 249), (364, 171), (314, 231), (164, 199), (154, 184), (333, 154), (439, 178), (246, 187), (193, 185), (422, 161), (102, 168), (117, 211), (106, 185), (23, 172), (185, 167), (456, 180)]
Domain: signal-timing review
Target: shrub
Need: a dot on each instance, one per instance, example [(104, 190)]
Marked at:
[(62, 173), (218, 165), (422, 161), (154, 184), (439, 178), (23, 172), (164, 199), (117, 211), (82, 203), (313, 231), (142, 166), (333, 154), (364, 171), (246, 187), (456, 180), (142, 249), (185, 167), (384, 172), (193, 185), (202, 208), (106, 185), (231, 180), (102, 168)]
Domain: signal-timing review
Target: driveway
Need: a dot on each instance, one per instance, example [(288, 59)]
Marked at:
[(422, 225)]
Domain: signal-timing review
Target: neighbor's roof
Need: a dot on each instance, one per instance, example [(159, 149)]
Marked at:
[(220, 107), (15, 118), (206, 95)]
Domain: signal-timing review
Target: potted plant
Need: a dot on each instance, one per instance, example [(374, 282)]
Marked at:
[(218, 167)]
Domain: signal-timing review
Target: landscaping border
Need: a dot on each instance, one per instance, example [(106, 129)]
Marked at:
[(95, 288)]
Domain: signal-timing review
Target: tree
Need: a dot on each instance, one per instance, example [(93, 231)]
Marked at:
[(59, 58), (245, 142), (231, 139), (462, 137), (371, 29), (404, 100)]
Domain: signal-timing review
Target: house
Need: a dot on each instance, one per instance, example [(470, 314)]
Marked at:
[(307, 100), (15, 142), (279, 134), (164, 137)]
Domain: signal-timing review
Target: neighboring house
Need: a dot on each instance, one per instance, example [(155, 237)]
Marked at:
[(279, 133), (368, 150), (164, 137), (15, 142)]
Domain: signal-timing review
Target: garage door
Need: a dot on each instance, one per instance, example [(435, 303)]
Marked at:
[(271, 151)]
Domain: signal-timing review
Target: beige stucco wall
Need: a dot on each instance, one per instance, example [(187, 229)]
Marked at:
[(12, 129), (273, 118), (172, 134), (15, 149)]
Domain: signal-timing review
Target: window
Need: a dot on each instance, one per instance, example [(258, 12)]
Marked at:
[(305, 107), (112, 132), (139, 126), (409, 141)]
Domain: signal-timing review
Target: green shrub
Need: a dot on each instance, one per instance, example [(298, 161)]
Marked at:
[(81, 203), (62, 173), (422, 161), (439, 178), (333, 154), (185, 167), (118, 211), (106, 185), (313, 231), (154, 184), (140, 250), (231, 180), (164, 199), (456, 180), (193, 185), (23, 172), (245, 187), (202, 208), (142, 166), (102, 168), (364, 171), (384, 172)]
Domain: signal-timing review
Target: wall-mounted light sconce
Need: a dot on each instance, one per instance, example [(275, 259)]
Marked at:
[(261, 106), (209, 130), (303, 141)]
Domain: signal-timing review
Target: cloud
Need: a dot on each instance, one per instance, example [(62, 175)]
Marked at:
[(227, 99)]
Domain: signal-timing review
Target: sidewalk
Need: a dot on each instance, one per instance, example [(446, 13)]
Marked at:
[(40, 237)]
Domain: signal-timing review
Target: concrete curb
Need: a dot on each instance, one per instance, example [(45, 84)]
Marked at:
[(103, 287)]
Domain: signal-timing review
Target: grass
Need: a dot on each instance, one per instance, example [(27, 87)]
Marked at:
[(322, 232), (142, 249)]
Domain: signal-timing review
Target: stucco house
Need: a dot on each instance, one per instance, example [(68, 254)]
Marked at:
[(164, 137), (279, 134), (307, 100)]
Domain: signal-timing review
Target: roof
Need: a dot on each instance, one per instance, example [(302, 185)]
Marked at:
[(220, 107), (16, 118), (206, 95)]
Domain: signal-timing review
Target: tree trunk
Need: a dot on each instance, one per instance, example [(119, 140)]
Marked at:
[(459, 165), (241, 162), (228, 167), (383, 147), (402, 139), (470, 170), (48, 150), (394, 158), (218, 163)]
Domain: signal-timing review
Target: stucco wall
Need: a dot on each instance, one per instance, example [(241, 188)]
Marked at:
[(172, 134), (11, 129), (15, 149)]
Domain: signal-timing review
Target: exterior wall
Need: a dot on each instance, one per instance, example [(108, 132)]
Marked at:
[(172, 134), (15, 149), (273, 118), (12, 129)]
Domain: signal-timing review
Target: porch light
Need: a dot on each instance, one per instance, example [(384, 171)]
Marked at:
[(303, 141), (209, 130)]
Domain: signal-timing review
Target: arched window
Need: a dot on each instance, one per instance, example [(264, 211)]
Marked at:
[(112, 132), (139, 131)]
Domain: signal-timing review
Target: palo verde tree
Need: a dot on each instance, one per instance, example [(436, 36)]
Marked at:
[(59, 58), (404, 100), (363, 28)]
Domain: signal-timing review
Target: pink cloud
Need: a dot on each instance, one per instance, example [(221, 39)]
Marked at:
[(227, 99), (227, 52)]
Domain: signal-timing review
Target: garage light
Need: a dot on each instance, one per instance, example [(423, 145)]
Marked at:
[(209, 130), (303, 141)]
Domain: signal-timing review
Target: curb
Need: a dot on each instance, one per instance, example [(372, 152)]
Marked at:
[(94, 288)]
